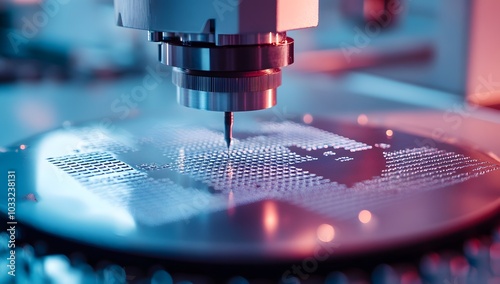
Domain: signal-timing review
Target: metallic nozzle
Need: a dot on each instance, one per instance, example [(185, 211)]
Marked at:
[(228, 128)]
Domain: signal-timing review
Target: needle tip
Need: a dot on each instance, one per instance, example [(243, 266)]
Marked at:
[(228, 128)]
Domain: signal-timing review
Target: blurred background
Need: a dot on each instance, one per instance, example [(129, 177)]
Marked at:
[(65, 61), (429, 67)]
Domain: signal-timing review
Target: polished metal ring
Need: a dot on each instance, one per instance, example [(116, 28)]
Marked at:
[(232, 58), (253, 81), (227, 91), (233, 101)]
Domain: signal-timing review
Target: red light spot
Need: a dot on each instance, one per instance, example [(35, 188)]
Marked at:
[(308, 119), (362, 119), (365, 216), (326, 233)]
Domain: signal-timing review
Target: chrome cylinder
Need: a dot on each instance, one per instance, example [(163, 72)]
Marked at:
[(227, 91), (236, 73)]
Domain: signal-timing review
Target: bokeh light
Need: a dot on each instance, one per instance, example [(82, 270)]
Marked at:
[(326, 233), (365, 216), (362, 119), (270, 218), (307, 118)]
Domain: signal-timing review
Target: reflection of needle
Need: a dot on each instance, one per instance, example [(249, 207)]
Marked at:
[(229, 170), (181, 159), (229, 174), (230, 203), (270, 218)]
